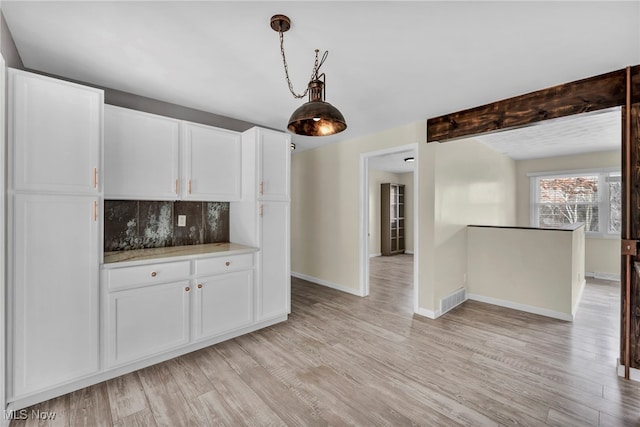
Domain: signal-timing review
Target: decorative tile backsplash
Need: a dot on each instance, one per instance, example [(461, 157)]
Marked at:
[(132, 224)]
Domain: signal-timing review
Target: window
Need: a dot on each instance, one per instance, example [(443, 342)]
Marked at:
[(591, 197)]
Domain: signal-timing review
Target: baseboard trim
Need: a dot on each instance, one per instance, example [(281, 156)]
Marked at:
[(408, 252), (375, 255), (427, 313), (326, 283), (574, 309), (522, 307), (634, 374), (603, 276)]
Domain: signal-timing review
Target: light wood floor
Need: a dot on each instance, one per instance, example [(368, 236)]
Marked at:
[(345, 360)]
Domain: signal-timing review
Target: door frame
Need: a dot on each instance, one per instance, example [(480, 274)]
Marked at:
[(363, 289)]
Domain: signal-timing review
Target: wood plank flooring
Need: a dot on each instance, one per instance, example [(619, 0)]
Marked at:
[(345, 360)]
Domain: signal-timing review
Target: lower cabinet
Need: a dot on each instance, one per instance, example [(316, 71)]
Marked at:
[(55, 291), (146, 318), (147, 321), (274, 283), (223, 303)]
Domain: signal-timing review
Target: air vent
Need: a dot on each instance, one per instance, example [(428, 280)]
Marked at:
[(452, 300)]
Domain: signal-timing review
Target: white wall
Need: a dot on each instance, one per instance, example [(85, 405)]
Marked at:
[(602, 255), (377, 177), (468, 183)]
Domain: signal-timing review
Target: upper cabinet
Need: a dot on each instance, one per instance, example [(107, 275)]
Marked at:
[(212, 163), (150, 157), (141, 155), (56, 129), (273, 164)]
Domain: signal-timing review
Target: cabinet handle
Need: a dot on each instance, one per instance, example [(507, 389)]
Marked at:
[(95, 210), (261, 210), (228, 263), (261, 188), (189, 186), (176, 186), (95, 177), (187, 289), (154, 274), (199, 285)]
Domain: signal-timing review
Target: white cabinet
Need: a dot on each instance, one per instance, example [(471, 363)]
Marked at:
[(274, 281), (141, 155), (56, 132), (147, 321), (223, 303), (273, 164), (262, 217), (212, 163), (55, 277), (150, 157), (163, 306), (54, 223)]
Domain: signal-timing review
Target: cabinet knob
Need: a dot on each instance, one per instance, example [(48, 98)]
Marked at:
[(199, 285), (154, 274), (228, 263), (187, 289)]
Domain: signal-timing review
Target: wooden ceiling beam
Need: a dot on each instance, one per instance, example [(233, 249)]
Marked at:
[(581, 96)]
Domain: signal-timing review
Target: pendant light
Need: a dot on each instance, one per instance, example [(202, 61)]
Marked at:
[(315, 117)]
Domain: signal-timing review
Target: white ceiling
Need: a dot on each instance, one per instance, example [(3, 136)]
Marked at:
[(585, 133), (390, 63), (393, 162)]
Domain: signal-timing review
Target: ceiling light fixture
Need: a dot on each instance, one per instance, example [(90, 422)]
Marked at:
[(409, 159), (315, 117)]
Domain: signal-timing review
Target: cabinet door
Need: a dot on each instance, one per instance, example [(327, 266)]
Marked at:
[(56, 133), (146, 321), (140, 155), (274, 284), (55, 282), (274, 153), (212, 164), (223, 303)]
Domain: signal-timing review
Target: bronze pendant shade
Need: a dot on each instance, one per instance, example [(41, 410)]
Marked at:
[(315, 117)]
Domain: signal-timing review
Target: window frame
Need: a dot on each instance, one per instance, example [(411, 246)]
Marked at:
[(604, 207)]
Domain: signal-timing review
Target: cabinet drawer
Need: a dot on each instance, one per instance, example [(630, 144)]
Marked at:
[(152, 273), (223, 264)]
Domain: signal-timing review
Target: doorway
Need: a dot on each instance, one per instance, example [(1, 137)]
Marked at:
[(398, 165)]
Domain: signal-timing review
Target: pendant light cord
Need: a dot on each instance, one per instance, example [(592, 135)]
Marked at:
[(314, 72)]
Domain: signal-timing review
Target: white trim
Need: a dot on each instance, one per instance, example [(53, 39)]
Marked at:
[(328, 284), (574, 309), (603, 276), (3, 293), (408, 252), (375, 255), (521, 307), (363, 287), (570, 172), (427, 313), (634, 374)]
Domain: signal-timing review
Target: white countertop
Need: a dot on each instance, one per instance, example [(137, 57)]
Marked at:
[(148, 256)]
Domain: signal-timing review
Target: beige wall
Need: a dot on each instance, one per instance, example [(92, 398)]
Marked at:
[(601, 255), (544, 276), (459, 183), (325, 210), (466, 183), (377, 177)]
